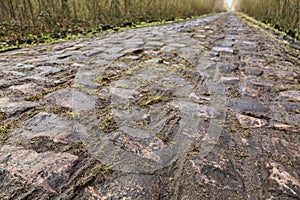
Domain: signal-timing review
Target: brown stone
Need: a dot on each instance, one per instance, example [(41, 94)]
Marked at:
[(48, 170), (250, 92), (251, 122)]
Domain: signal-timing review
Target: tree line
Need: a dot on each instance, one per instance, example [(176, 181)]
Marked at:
[(282, 14), (20, 18)]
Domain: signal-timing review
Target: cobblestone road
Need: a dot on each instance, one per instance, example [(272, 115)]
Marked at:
[(202, 109)]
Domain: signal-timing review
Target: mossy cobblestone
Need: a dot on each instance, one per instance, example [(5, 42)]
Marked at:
[(63, 104)]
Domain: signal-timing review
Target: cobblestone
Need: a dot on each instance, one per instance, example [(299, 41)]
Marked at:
[(201, 109)]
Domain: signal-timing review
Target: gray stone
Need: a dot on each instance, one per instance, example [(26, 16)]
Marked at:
[(36, 78), (260, 83), (155, 44), (191, 50), (223, 49), (177, 45), (80, 58), (289, 106), (3, 83), (12, 107), (218, 59), (152, 53), (247, 105), (293, 119), (24, 66), (246, 53), (123, 93), (14, 74), (101, 62), (252, 71), (194, 109), (251, 43), (198, 97), (233, 37), (227, 68), (204, 65), (65, 55), (290, 95), (28, 88), (87, 78), (114, 50), (154, 60), (55, 128), (246, 47), (133, 43), (283, 74), (227, 44), (230, 80), (218, 37), (46, 70), (131, 57), (94, 52), (111, 57), (121, 65), (73, 99)]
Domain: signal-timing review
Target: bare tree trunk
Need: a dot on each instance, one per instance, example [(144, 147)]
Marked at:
[(114, 6), (12, 10), (5, 8)]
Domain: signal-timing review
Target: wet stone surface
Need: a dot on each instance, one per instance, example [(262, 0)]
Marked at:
[(202, 109)]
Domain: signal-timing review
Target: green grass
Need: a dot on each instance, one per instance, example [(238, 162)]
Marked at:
[(4, 131)]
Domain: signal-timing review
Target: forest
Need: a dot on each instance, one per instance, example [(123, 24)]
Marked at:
[(22, 18), (283, 15)]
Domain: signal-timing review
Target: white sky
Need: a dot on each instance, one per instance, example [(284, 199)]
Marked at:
[(229, 2)]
